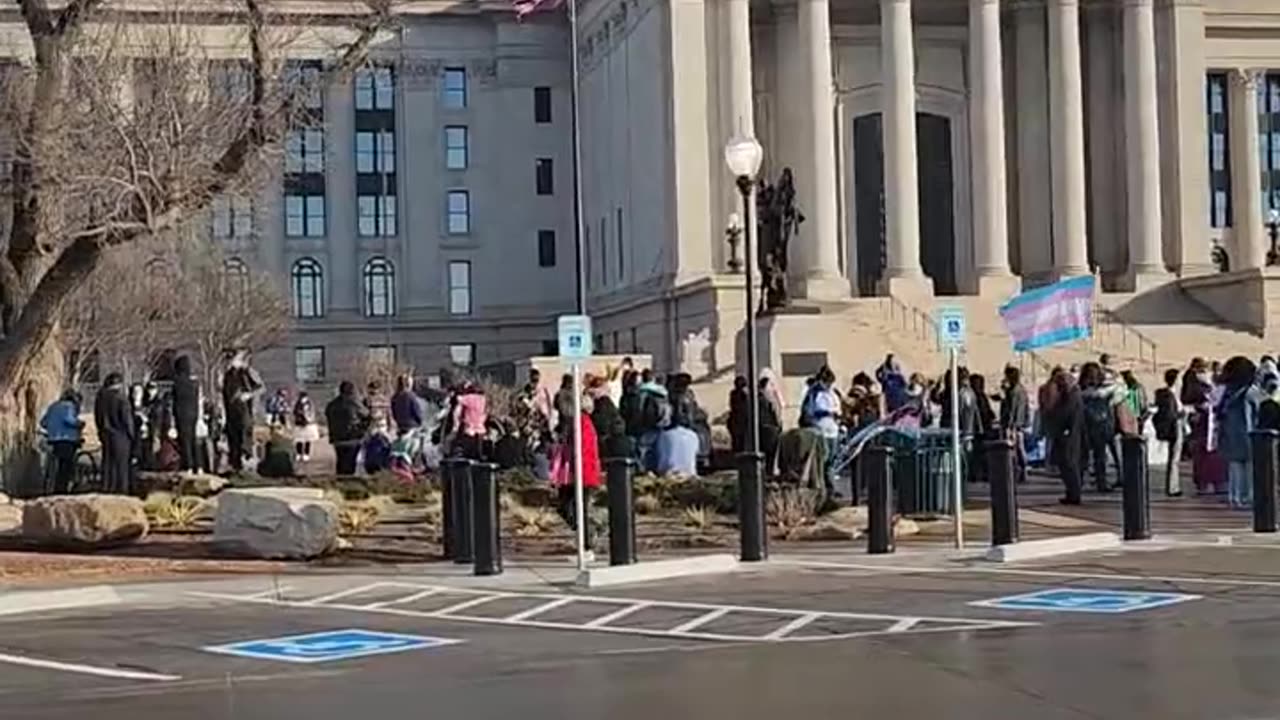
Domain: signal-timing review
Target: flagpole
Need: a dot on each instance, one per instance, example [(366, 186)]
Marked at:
[(579, 230)]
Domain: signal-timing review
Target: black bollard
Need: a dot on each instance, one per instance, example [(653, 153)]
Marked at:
[(622, 510), (751, 507), (463, 534), (447, 541), (1137, 486), (486, 520), (877, 464), (1266, 443), (1004, 492)]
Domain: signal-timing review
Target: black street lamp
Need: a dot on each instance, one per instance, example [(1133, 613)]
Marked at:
[(1273, 229), (743, 155)]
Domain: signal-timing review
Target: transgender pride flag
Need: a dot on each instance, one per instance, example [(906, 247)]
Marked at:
[(1057, 313)]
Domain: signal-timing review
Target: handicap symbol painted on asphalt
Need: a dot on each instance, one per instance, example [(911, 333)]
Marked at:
[(329, 646), (1086, 601)]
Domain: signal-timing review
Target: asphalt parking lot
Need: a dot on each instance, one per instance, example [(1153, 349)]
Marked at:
[(1195, 637)]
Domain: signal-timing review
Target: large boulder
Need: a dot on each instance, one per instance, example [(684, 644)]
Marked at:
[(289, 523), (84, 520)]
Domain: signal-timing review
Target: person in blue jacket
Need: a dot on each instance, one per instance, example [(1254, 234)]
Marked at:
[(62, 425)]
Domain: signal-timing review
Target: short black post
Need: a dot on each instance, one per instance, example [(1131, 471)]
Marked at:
[(1004, 492), (622, 510), (1137, 487), (751, 507), (1266, 443), (447, 541), (486, 520), (463, 534), (877, 464)]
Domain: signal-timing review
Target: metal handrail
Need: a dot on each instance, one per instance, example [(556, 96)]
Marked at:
[(1147, 348), (912, 318)]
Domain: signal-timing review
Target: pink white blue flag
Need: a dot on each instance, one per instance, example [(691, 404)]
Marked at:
[(1050, 315), (525, 7)]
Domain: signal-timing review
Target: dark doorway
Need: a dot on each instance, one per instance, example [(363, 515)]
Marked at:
[(937, 209)]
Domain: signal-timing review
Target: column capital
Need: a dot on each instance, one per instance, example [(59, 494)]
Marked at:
[(1064, 3), (1247, 78), (1138, 3)]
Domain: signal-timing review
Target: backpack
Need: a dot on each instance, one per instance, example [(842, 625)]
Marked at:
[(655, 412), (1166, 417), (807, 406), (1098, 415)]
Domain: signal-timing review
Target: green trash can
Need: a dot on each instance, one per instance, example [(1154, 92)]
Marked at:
[(922, 469)]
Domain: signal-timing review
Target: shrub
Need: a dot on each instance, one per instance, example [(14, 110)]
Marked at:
[(699, 517), (357, 517), (788, 508), (170, 512), (647, 505), (532, 521)]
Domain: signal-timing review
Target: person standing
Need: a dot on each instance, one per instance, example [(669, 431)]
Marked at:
[(821, 410), (739, 398), (62, 425), (1168, 421), (407, 409), (117, 431), (610, 428), (1068, 422), (471, 423), (305, 430), (1015, 416), (347, 419), (186, 413), (1237, 412), (240, 385), (562, 477)]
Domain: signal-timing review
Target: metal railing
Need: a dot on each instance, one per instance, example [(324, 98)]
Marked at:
[(912, 319), (1106, 320)]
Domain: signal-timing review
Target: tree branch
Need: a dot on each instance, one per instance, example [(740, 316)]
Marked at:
[(74, 14), (35, 13)]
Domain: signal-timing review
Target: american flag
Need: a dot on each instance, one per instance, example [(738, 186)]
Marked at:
[(525, 7)]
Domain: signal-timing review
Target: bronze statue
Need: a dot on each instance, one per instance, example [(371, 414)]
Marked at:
[(777, 220)]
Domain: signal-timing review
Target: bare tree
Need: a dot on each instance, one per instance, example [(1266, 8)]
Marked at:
[(109, 317), (111, 140)]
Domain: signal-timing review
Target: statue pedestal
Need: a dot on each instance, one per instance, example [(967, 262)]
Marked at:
[(820, 286)]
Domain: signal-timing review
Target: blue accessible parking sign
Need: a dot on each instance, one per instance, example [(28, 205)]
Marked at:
[(1086, 601), (329, 646)]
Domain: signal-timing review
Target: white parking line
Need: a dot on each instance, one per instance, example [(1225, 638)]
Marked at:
[(325, 599), (85, 669), (924, 570), (404, 600), (789, 620)]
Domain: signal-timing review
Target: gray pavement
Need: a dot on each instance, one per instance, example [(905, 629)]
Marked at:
[(823, 636)]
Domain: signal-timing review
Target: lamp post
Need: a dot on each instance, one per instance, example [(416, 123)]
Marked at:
[(743, 155), (1273, 229), (733, 236)]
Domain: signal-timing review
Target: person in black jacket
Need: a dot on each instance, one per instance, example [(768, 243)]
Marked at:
[(113, 415), (738, 413), (186, 413), (1015, 416), (240, 385), (611, 430), (348, 419), (1068, 418)]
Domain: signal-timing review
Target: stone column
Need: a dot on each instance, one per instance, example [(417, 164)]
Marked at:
[(737, 17), (1032, 186), (1142, 132), (818, 274), (1066, 140), (901, 186), (986, 124), (1249, 242)]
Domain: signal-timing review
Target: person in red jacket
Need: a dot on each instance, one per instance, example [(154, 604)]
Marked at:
[(562, 473)]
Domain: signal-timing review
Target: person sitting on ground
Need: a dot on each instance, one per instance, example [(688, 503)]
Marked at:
[(277, 456)]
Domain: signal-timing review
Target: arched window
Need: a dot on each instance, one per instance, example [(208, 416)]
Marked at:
[(307, 279), (237, 275), (379, 288)]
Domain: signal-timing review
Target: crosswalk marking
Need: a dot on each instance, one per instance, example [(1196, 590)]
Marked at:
[(776, 625)]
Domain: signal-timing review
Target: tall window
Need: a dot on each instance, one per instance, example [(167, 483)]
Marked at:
[(376, 215), (232, 217), (304, 165), (379, 288), (384, 355), (375, 88), (463, 354), (236, 273), (304, 150), (304, 215), (307, 279), (542, 105), (1219, 139), (604, 251), (376, 151), (455, 147), (546, 248), (308, 364), (622, 266), (454, 88), (460, 287), (545, 176), (459, 212), (229, 82), (1269, 126)]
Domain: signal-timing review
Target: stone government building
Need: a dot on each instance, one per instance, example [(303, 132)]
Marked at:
[(957, 148)]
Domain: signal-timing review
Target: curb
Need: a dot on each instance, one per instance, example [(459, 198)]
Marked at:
[(16, 603), (657, 570), (1035, 549)]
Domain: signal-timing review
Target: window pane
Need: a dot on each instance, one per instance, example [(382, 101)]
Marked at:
[(463, 355), (454, 90), (293, 151), (459, 274), (242, 218), (293, 215), (542, 104), (387, 148), (385, 88), (455, 140), (546, 248), (366, 215), (545, 176), (309, 364), (313, 150), (221, 218), (459, 302), (364, 90), (364, 152), (389, 215), (315, 216)]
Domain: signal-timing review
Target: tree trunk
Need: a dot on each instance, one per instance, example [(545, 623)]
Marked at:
[(22, 403)]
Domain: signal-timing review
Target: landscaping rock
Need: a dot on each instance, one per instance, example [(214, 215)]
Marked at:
[(905, 527), (10, 518), (293, 523), (84, 520), (203, 485), (824, 530), (847, 518), (4, 499)]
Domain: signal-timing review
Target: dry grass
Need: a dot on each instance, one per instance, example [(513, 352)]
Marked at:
[(699, 517), (167, 511), (789, 508), (532, 522), (356, 518), (647, 505)]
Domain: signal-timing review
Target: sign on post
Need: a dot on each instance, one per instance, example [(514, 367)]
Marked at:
[(575, 336), (952, 328)]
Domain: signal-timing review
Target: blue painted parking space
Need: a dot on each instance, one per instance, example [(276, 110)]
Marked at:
[(329, 646), (1086, 601)]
